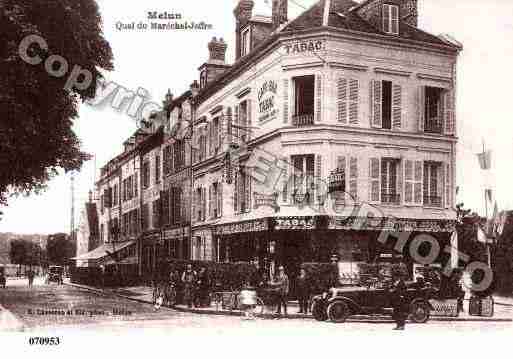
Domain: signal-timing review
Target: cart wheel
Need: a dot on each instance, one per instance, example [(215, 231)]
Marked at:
[(258, 309), (419, 312), (338, 312)]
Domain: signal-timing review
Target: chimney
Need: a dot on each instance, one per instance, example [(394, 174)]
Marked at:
[(217, 50), (242, 15), (410, 12), (279, 13)]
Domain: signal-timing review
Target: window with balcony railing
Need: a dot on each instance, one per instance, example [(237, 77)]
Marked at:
[(303, 178), (389, 171), (304, 104), (433, 113)]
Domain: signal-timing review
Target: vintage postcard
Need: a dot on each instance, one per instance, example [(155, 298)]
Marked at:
[(254, 169)]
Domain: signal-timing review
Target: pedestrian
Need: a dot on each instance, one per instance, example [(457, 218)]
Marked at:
[(189, 281), (203, 288), (400, 303), (303, 291), (282, 283), (30, 275)]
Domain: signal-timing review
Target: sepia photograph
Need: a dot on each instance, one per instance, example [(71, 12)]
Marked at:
[(233, 176)]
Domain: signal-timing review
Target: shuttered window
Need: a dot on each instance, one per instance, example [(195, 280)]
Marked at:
[(348, 100), (396, 107), (448, 186), (353, 178), (376, 102), (319, 82), (448, 104), (374, 176), (386, 105), (391, 19), (286, 100), (417, 186)]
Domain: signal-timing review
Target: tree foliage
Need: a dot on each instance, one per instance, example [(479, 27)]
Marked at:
[(36, 111), (60, 249), (25, 252)]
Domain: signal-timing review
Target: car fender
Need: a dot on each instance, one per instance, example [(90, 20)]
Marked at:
[(355, 307)]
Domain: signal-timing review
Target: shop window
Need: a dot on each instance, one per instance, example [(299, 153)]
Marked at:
[(432, 184), (304, 103), (391, 19), (389, 181), (433, 118), (303, 178)]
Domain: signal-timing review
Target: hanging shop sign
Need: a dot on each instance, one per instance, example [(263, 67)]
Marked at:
[(294, 223), (267, 109), (391, 224), (242, 227), (304, 46), (266, 200)]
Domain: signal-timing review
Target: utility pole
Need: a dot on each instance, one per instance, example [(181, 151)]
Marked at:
[(72, 224)]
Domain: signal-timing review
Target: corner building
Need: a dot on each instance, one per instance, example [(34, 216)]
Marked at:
[(355, 105)]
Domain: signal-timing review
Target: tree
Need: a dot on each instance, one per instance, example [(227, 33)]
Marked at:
[(59, 249), (18, 252), (37, 109)]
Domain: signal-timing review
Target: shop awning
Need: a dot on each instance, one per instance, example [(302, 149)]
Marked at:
[(103, 251)]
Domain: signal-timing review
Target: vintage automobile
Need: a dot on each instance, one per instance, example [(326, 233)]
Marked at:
[(55, 274), (338, 304), (2, 277)]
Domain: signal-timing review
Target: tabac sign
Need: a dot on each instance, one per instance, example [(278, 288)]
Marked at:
[(267, 100), (304, 46)]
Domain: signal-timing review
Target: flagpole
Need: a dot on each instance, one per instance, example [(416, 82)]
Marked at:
[(487, 245)]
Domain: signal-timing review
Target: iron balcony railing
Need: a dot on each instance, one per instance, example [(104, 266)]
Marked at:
[(390, 198), (303, 120), (433, 201), (433, 125)]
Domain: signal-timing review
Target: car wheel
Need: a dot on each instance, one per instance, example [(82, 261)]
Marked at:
[(338, 312), (419, 312), (319, 311)]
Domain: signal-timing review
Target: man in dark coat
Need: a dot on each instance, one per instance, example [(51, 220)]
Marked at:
[(189, 284), (203, 288), (400, 303), (303, 291)]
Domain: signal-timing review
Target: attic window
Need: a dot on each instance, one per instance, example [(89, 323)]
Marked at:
[(245, 46), (391, 19)]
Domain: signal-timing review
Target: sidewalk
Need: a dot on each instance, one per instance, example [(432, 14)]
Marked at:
[(503, 312), (9, 322)]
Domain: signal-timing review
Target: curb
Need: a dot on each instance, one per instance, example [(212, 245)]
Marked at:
[(238, 313)]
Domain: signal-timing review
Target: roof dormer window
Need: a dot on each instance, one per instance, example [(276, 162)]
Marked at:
[(245, 46), (391, 19)]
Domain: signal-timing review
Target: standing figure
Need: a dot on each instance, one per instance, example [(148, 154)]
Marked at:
[(30, 275), (203, 287), (303, 291), (400, 304), (282, 283), (189, 282)]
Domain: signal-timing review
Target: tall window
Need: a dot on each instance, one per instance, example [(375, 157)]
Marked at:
[(303, 178), (179, 154), (244, 123), (176, 205), (389, 173), (386, 104), (304, 103), (387, 101), (115, 195), (245, 46), (203, 79), (167, 159), (157, 169), (432, 184), (146, 174), (433, 111), (242, 191), (391, 19)]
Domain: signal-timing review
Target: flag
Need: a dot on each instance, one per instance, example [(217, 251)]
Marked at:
[(485, 160)]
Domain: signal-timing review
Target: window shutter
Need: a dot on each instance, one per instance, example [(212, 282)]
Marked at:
[(219, 199), (448, 186), (448, 105), (400, 189), (396, 107), (236, 191), (210, 203), (317, 179), (249, 121), (386, 18), (247, 192), (286, 171), (204, 202), (318, 97), (136, 185), (418, 178), (374, 171), (376, 104), (342, 100), (421, 104), (441, 184), (236, 124), (395, 19), (286, 101), (353, 178), (354, 89)]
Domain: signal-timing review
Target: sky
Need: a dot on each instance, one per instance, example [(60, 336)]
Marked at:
[(158, 61)]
